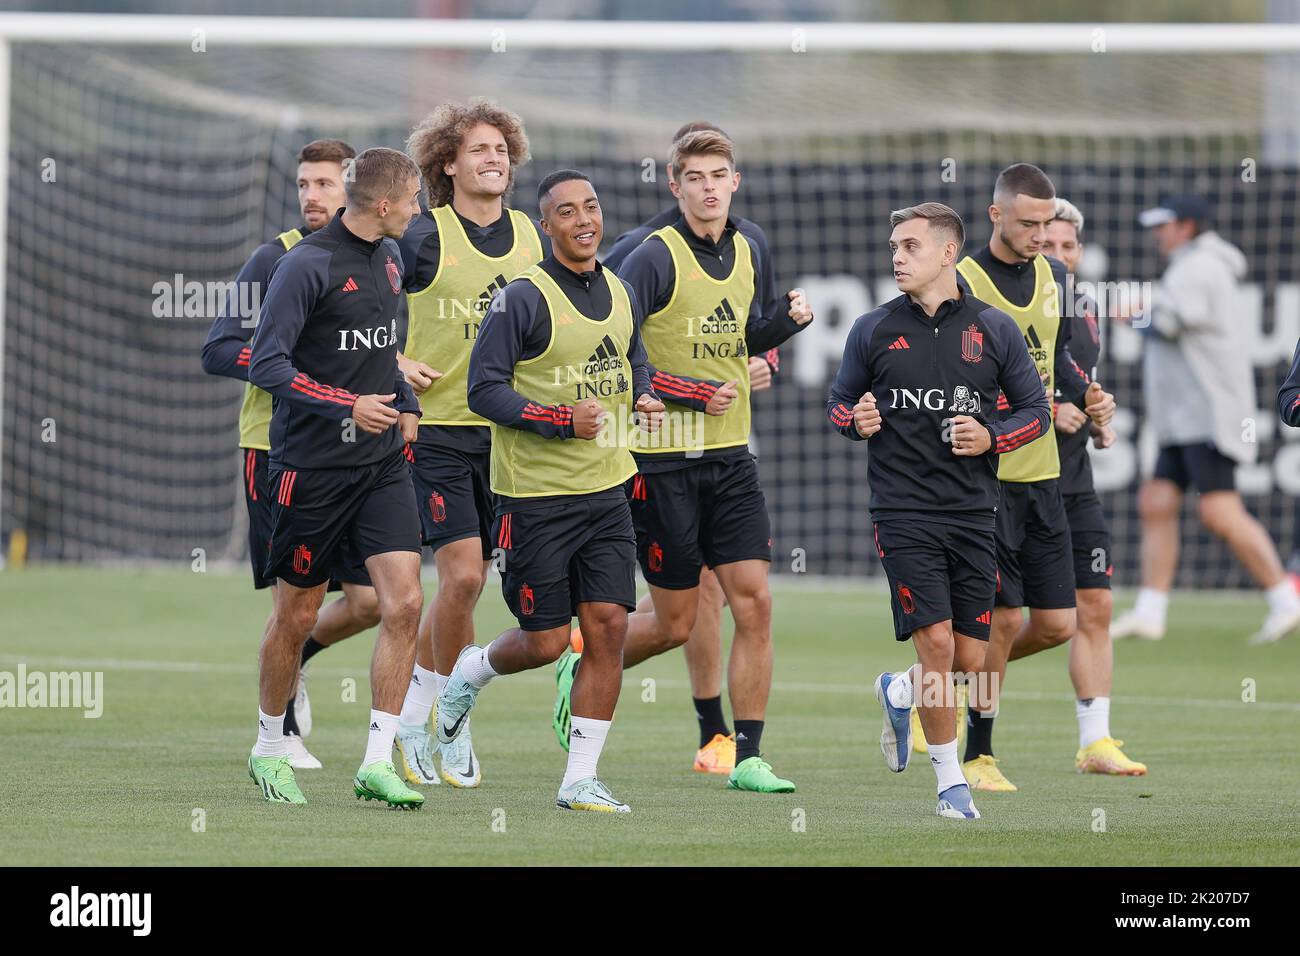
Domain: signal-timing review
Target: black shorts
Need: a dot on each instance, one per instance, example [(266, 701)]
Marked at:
[(562, 555), (1202, 466), (1090, 539), (324, 516), (706, 514), (451, 485), (1035, 558), (938, 572), (258, 499)]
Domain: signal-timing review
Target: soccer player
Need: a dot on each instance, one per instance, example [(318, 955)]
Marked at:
[(1192, 348), (1035, 558), (226, 351), (697, 499), (703, 650), (1288, 396), (326, 350), (555, 367), (457, 256), (1091, 660), (920, 382)]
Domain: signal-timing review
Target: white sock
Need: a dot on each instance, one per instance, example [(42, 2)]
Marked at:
[(420, 695), (1282, 596), (383, 728), (1094, 720), (947, 768), (270, 736), (439, 682), (476, 667), (900, 691), (586, 740), (1152, 605)]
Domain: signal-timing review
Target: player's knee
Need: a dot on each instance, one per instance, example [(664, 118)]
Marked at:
[(1056, 629), (605, 629), (461, 584), (1156, 502), (753, 609), (294, 623), (402, 609), (1096, 605), (549, 645)]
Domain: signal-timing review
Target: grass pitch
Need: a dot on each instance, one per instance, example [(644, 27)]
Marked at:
[(178, 652)]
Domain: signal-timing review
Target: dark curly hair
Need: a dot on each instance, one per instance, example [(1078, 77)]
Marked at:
[(434, 141)]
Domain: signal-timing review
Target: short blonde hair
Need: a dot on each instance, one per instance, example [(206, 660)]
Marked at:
[(702, 142), (941, 217), (1067, 211)]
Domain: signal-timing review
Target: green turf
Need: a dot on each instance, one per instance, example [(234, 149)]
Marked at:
[(178, 652)]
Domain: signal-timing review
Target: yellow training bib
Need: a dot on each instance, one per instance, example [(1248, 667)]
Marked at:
[(255, 412), (1039, 322), (584, 359), (445, 316)]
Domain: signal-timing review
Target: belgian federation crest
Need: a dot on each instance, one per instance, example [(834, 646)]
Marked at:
[(526, 602), (972, 345), (301, 559), (394, 275), (655, 557), (437, 507)]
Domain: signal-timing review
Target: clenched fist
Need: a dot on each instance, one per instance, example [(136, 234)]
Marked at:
[(1099, 404), (866, 417), (800, 310), (372, 413), (722, 399), (419, 375), (587, 418), (651, 413), (969, 437)]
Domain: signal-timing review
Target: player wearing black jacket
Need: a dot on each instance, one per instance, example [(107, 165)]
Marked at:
[(1091, 661), (920, 382), (326, 349), (226, 352)]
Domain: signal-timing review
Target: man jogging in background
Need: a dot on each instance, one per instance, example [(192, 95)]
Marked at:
[(1193, 350), (920, 382), (326, 349), (226, 352)]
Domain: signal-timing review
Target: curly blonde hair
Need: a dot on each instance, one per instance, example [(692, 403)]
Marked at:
[(434, 141)]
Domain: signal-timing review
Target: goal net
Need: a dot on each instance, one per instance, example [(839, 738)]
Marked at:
[(140, 174)]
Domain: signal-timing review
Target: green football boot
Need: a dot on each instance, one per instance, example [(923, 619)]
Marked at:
[(379, 781), (275, 777), (755, 774), (565, 669)]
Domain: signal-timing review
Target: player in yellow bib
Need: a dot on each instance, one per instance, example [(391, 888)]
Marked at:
[(697, 500), (320, 194), (457, 255), (1034, 554), (556, 367)]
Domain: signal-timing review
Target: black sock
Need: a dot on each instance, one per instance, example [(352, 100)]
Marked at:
[(749, 734), (290, 722), (979, 735), (311, 649), (708, 710)]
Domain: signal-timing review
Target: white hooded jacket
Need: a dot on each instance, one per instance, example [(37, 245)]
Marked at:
[(1198, 380)]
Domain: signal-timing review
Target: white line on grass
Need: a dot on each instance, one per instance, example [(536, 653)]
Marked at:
[(797, 687)]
